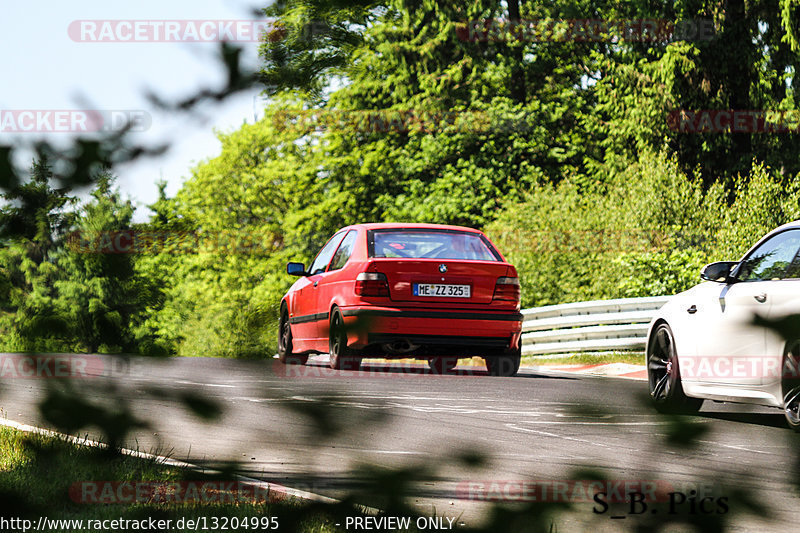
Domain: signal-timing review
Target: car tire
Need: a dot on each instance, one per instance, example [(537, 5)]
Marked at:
[(790, 384), (442, 365), (505, 364), (285, 354), (663, 375), (341, 356)]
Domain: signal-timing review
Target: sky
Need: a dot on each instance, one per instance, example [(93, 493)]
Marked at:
[(54, 60)]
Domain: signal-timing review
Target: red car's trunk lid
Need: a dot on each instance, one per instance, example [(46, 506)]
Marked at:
[(411, 280)]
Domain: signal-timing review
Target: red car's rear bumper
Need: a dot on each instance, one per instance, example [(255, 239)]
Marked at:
[(432, 327)]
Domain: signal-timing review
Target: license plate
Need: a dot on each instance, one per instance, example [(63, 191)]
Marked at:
[(441, 290)]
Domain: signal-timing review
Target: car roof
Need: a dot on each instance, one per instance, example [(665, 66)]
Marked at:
[(793, 224), (410, 225)]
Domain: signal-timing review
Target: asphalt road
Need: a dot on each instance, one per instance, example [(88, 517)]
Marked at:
[(320, 430)]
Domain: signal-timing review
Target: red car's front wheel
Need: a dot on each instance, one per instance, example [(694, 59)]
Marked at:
[(285, 354)]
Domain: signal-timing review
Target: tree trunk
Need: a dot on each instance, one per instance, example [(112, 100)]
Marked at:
[(518, 86), (739, 71)]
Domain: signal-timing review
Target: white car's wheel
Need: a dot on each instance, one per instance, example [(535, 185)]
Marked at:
[(790, 383), (663, 374)]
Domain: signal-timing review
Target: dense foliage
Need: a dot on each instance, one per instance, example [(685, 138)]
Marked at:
[(565, 150)]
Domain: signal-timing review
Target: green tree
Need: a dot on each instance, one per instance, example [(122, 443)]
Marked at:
[(429, 123), (748, 61), (36, 214), (33, 224), (97, 288), (242, 215)]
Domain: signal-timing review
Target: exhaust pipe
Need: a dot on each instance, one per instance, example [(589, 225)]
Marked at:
[(401, 346)]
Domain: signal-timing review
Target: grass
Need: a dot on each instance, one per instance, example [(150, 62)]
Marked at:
[(633, 358), (37, 472)]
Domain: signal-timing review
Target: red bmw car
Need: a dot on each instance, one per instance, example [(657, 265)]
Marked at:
[(421, 291)]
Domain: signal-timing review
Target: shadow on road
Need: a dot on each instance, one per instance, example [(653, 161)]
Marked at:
[(755, 419)]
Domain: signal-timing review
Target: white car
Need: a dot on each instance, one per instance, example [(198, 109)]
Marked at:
[(704, 343)]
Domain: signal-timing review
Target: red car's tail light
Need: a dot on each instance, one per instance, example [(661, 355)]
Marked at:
[(372, 284), (507, 290)]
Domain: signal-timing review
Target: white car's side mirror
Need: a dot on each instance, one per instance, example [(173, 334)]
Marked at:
[(719, 271)]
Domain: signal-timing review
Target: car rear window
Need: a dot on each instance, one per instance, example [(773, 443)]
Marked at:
[(430, 244)]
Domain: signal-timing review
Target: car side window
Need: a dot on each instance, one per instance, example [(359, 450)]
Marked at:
[(794, 269), (774, 259), (324, 255), (345, 251)]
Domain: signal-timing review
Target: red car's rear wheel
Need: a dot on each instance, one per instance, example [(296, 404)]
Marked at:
[(341, 357), (505, 364)]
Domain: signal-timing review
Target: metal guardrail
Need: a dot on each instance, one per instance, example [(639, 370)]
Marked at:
[(597, 326)]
